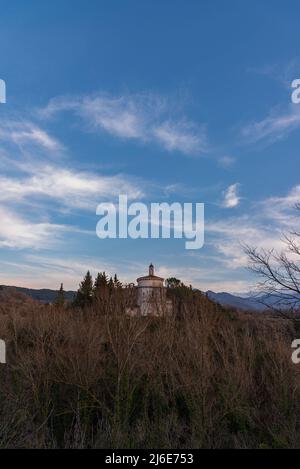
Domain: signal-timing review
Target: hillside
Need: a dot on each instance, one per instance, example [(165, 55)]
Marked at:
[(227, 299), (224, 299), (93, 378), (44, 295), (258, 304)]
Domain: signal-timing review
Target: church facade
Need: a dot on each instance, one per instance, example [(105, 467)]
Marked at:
[(151, 297)]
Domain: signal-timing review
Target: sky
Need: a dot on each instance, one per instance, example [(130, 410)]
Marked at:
[(165, 101)]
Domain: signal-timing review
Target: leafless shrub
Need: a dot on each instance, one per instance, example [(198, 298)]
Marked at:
[(204, 378)]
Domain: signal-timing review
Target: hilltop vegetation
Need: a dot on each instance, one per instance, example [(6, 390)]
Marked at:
[(92, 377)]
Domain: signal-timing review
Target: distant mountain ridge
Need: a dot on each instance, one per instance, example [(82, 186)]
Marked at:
[(239, 302), (43, 295), (258, 303)]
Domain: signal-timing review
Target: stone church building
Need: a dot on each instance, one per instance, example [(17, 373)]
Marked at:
[(151, 298)]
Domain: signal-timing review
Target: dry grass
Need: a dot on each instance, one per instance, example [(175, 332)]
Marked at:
[(208, 379)]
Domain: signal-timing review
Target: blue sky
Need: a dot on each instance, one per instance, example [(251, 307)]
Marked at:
[(162, 100)]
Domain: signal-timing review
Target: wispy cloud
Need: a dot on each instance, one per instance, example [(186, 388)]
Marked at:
[(282, 208), (226, 161), (273, 127), (227, 238), (25, 132), (182, 136), (261, 228), (142, 117), (231, 198), (283, 72), (19, 233), (69, 187)]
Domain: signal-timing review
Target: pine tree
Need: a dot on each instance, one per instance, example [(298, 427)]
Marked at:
[(60, 298), (117, 283), (85, 292), (111, 285), (101, 281), (97, 282)]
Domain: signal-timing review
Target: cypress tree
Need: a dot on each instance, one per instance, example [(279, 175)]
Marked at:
[(117, 283), (60, 298)]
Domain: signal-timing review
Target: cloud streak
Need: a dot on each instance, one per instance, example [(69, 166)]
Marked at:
[(274, 127), (145, 118), (19, 233), (73, 189), (27, 133)]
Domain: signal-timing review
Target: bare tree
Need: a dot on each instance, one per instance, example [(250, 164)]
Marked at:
[(279, 273)]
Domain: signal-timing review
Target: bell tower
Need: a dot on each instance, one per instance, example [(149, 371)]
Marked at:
[(151, 296)]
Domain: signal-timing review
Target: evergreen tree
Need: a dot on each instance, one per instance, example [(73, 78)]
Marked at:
[(111, 285), (85, 292), (100, 282), (117, 282), (97, 282), (100, 287), (60, 298)]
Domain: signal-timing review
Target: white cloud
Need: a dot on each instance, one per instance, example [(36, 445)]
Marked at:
[(227, 238), (281, 210), (262, 228), (17, 232), (181, 136), (25, 132), (143, 117), (274, 127), (231, 198), (118, 116), (279, 205), (71, 188)]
